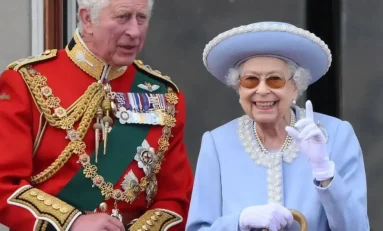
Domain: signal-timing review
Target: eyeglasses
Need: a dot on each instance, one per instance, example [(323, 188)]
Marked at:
[(251, 81)]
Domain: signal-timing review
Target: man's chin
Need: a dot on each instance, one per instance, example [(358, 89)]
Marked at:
[(123, 60)]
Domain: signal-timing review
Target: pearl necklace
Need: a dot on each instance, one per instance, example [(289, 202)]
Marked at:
[(288, 139), (272, 161)]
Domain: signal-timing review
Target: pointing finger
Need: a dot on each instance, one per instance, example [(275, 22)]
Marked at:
[(309, 110)]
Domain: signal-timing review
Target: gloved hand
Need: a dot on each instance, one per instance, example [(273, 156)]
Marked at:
[(270, 216), (312, 143)]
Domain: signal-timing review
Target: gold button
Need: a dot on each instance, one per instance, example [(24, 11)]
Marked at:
[(103, 207), (64, 210), (41, 197), (47, 52), (33, 193), (145, 227), (140, 62), (149, 222), (56, 206), (154, 218), (48, 201), (158, 213)]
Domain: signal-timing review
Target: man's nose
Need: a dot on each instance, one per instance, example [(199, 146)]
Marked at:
[(133, 29)]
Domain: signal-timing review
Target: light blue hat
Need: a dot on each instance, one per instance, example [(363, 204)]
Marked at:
[(231, 48)]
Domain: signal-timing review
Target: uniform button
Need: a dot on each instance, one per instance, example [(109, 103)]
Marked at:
[(103, 207)]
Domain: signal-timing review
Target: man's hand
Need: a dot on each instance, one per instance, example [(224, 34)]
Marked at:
[(97, 222)]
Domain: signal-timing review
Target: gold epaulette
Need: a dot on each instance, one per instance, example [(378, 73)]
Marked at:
[(155, 73), (48, 54)]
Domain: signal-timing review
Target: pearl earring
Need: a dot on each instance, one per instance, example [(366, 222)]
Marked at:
[(294, 102)]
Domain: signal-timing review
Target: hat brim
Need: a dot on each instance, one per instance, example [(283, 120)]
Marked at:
[(300, 46)]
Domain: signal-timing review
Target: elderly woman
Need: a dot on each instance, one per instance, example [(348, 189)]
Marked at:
[(253, 171)]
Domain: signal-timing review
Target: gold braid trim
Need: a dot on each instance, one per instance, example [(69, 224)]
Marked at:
[(61, 118), (85, 108), (156, 220), (45, 207), (88, 62), (77, 147), (16, 65), (41, 225), (155, 73), (42, 126)]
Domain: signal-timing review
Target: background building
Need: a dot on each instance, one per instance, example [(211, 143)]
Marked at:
[(180, 29)]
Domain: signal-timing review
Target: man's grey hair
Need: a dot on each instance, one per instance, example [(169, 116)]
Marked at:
[(300, 76), (95, 6)]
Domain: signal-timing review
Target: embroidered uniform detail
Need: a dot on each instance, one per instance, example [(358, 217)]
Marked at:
[(4, 97), (50, 106), (156, 220), (41, 225), (48, 54), (148, 86), (88, 62), (45, 207), (155, 73)]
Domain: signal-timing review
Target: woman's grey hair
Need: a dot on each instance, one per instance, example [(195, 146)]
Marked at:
[(95, 6), (300, 75)]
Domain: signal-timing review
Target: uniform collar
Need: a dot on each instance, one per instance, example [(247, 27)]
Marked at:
[(80, 55)]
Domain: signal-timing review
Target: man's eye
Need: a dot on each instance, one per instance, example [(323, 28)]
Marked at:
[(142, 17)]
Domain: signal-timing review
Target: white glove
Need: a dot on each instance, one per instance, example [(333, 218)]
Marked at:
[(312, 143), (271, 216)]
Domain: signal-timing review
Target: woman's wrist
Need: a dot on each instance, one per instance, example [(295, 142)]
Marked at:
[(325, 183)]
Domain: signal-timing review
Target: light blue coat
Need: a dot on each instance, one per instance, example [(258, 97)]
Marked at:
[(227, 180)]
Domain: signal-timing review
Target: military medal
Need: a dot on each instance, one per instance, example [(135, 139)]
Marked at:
[(140, 108)]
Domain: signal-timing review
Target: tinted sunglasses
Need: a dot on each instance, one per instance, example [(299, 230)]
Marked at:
[(251, 81)]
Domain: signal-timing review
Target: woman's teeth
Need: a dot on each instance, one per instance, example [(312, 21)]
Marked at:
[(265, 104)]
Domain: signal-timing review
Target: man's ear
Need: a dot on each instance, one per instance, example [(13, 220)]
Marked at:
[(84, 17)]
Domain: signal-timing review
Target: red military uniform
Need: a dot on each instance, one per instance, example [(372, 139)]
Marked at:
[(78, 137)]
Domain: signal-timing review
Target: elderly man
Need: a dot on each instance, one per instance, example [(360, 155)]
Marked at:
[(92, 139)]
